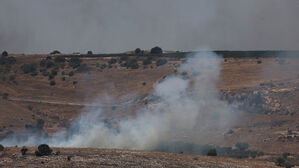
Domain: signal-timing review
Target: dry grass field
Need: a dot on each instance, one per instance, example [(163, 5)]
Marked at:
[(122, 91)]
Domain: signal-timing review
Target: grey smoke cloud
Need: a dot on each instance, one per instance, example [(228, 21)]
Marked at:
[(187, 110), (40, 26)]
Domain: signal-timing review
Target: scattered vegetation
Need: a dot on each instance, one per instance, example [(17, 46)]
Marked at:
[(242, 146), (280, 161), (259, 62), (5, 96), (4, 54), (59, 59), (43, 150), (55, 52), (52, 83), (1, 147), (212, 152), (156, 50), (133, 64), (28, 68), (147, 61), (138, 51), (71, 73), (24, 150), (161, 62), (75, 62), (83, 68), (112, 61)]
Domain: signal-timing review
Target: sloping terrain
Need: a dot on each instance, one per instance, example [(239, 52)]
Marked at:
[(90, 157), (264, 90)]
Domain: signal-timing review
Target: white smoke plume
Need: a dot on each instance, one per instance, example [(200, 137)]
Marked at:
[(185, 109)]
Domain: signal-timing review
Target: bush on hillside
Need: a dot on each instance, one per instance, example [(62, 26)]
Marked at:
[(138, 51), (5, 96), (133, 64), (83, 68), (1, 147), (55, 52), (161, 62), (242, 146), (124, 58), (59, 59), (28, 68), (71, 73), (212, 152), (43, 150), (4, 54), (52, 83), (280, 161), (11, 60), (75, 62), (112, 61), (24, 150), (146, 62), (156, 50)]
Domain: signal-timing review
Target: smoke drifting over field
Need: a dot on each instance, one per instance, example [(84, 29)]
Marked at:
[(40, 26), (188, 108)]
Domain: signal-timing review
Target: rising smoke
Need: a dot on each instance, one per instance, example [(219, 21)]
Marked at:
[(185, 109), (40, 26)]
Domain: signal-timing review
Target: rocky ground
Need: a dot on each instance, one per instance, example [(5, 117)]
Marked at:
[(90, 157)]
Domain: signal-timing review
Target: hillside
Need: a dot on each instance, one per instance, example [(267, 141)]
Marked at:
[(265, 90)]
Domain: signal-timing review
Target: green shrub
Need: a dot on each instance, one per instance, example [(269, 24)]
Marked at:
[(59, 59), (285, 155), (28, 68), (71, 73), (280, 161), (45, 73), (43, 150), (242, 146), (4, 54), (137, 51), (112, 61), (24, 150), (156, 50), (212, 152), (75, 62), (133, 64), (5, 96), (55, 52), (12, 77), (1, 147), (75, 82), (146, 62), (11, 60), (124, 58), (83, 68), (54, 72), (52, 83), (34, 73), (50, 77), (161, 62)]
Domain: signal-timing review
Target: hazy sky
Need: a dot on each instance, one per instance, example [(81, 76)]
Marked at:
[(40, 26)]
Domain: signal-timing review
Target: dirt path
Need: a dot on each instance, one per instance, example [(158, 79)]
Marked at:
[(72, 103)]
